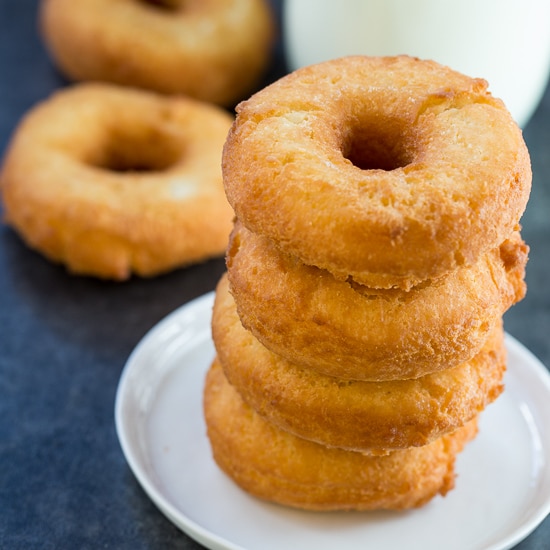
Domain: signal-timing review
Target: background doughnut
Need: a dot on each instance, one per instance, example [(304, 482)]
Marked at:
[(215, 51), (279, 467), (387, 170), (347, 330), (362, 416), (108, 196)]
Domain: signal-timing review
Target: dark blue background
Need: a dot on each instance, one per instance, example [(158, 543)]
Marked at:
[(64, 482)]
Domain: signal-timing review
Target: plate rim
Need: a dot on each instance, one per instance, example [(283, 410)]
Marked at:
[(204, 535), (192, 528)]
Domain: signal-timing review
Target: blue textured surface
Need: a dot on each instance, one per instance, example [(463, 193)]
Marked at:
[(64, 482)]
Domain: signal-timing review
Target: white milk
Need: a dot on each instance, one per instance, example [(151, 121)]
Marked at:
[(506, 42)]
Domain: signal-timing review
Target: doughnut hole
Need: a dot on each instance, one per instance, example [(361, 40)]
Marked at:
[(138, 150), (379, 144), (165, 5)]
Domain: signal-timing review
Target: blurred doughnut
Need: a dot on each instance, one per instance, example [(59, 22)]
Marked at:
[(372, 417), (355, 332), (215, 51), (279, 467), (110, 181), (386, 170)]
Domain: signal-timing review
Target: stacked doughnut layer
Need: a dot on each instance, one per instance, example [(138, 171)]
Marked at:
[(376, 246)]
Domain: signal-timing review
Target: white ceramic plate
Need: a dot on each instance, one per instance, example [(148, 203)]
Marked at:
[(502, 491)]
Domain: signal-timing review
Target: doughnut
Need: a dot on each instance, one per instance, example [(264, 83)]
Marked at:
[(215, 51), (385, 170), (112, 181), (351, 331), (280, 467), (362, 416)]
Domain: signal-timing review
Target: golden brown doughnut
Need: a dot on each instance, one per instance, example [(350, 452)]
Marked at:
[(355, 332), (215, 51), (277, 466), (111, 181), (388, 170), (362, 416)]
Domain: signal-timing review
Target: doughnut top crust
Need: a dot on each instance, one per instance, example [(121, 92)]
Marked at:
[(386, 170)]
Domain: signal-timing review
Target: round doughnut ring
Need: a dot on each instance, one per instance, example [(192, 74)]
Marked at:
[(374, 417), (215, 51), (354, 332), (111, 181), (387, 170), (279, 467)]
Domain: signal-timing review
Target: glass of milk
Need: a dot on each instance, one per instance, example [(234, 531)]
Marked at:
[(506, 42)]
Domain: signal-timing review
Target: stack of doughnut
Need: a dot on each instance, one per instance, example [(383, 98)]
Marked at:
[(376, 246)]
